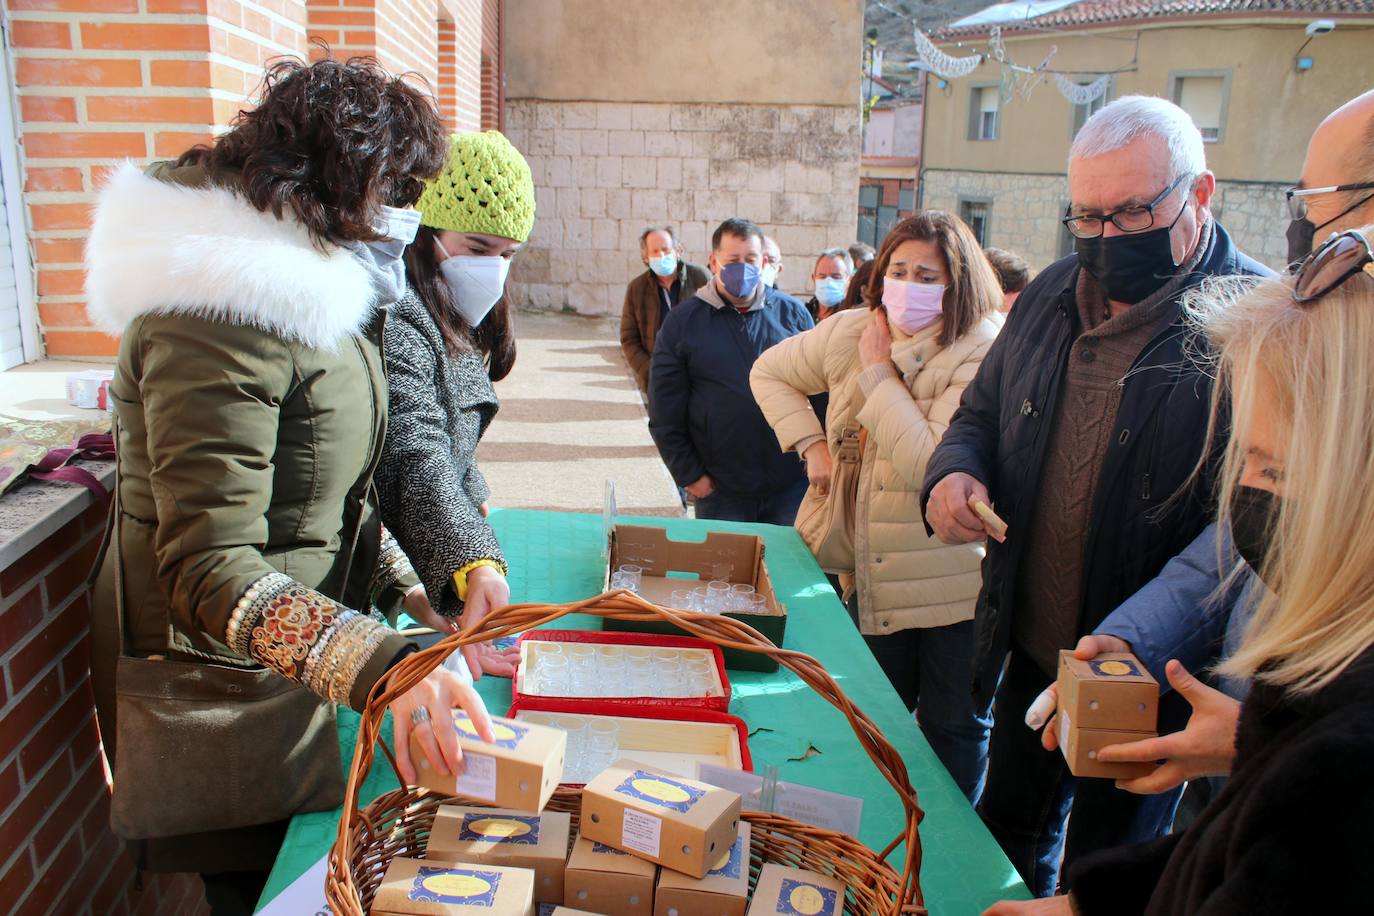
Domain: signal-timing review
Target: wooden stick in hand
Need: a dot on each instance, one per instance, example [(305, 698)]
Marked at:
[(991, 520)]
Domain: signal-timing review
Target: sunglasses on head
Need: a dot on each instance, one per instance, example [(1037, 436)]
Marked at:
[(1341, 257)]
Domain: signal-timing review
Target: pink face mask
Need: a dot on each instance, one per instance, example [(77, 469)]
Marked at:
[(912, 306)]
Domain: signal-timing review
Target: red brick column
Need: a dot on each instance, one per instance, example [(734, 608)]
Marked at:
[(57, 854), (493, 93), (447, 85)]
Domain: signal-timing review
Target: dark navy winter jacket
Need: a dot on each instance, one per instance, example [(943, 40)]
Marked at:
[(702, 413), (1001, 432)]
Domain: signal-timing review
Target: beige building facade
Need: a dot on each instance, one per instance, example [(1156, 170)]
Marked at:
[(658, 114), (1001, 164)]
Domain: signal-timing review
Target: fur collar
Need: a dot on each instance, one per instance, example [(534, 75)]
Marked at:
[(162, 248)]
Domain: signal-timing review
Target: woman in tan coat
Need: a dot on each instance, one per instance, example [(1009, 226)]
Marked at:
[(896, 371)]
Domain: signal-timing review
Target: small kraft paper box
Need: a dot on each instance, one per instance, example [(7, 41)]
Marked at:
[(679, 823), (519, 770), (413, 887), (495, 836), (606, 880), (1110, 699), (564, 911), (785, 891), (723, 892)]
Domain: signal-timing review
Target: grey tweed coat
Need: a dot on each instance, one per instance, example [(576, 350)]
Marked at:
[(428, 483)]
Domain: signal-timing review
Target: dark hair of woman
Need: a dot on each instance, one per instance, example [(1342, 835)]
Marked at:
[(333, 143), (854, 292), (973, 291), (494, 338)]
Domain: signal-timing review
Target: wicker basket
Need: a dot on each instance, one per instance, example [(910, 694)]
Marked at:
[(398, 822)]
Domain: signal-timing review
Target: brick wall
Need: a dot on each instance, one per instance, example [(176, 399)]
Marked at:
[(104, 80), (57, 854), (408, 38), (604, 171), (341, 28)]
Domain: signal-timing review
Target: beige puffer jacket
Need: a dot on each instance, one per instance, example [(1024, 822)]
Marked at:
[(904, 578)]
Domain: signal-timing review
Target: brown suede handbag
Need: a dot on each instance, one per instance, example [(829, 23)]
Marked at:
[(202, 746)]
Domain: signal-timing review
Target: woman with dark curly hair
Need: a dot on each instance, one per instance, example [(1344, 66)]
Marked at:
[(246, 585)]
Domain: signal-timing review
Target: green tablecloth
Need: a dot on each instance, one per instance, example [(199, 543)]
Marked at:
[(556, 557)]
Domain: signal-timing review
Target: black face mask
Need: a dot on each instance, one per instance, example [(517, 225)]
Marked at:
[(1254, 513), (1129, 267), (1301, 233)]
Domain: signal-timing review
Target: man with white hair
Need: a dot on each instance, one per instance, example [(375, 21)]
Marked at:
[(1084, 421)]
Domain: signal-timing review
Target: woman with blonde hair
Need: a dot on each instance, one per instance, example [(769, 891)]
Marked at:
[(895, 373), (1290, 832)]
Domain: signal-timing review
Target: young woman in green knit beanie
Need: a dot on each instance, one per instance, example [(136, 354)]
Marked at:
[(447, 339)]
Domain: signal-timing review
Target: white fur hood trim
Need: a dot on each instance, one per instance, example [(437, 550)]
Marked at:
[(157, 247)]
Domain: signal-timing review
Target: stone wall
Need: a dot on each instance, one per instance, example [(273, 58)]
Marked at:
[(603, 171), (1256, 216), (1026, 211)]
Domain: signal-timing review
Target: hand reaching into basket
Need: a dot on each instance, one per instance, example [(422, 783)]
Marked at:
[(427, 709)]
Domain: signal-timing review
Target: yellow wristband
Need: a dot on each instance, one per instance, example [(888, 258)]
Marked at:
[(460, 577)]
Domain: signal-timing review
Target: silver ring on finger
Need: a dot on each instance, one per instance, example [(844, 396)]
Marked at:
[(418, 715)]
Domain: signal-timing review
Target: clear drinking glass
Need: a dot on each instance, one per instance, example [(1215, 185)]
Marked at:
[(551, 676), (669, 673), (699, 598), (740, 596), (603, 745), (582, 659), (717, 596), (633, 575), (682, 599), (574, 760), (701, 675)]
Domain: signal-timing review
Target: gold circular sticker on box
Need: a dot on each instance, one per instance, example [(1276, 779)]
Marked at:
[(663, 791), (806, 900), (457, 885), (1114, 668), (499, 827)]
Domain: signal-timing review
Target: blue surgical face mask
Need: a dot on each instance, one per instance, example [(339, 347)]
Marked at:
[(664, 266), (830, 292), (740, 279)]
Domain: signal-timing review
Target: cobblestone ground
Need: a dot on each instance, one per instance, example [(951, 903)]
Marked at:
[(571, 417)]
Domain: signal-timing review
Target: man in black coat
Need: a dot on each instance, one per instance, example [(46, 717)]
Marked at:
[(1084, 427)]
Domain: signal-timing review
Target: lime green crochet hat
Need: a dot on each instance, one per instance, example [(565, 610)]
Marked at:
[(486, 187)]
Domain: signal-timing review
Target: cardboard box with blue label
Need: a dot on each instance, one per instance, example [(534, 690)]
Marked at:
[(414, 887), (601, 879), (724, 891), (679, 823), (1110, 699), (565, 911), (503, 837), (783, 891), (519, 770)]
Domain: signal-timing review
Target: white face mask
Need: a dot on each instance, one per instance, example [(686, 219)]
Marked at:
[(770, 275), (476, 282)]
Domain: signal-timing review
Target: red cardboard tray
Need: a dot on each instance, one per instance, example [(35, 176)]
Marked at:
[(684, 744), (721, 703)]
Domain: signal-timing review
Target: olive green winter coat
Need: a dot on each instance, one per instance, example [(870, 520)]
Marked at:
[(250, 405)]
